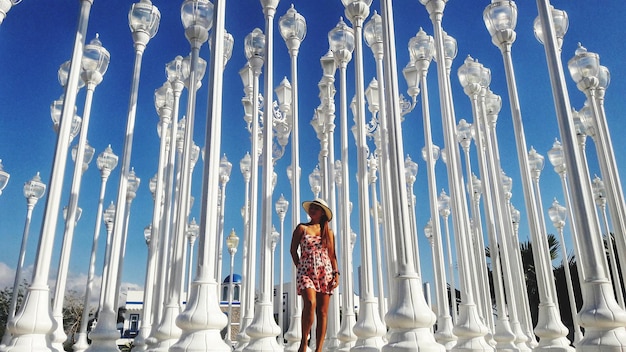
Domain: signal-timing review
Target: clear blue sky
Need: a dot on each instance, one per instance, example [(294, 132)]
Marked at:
[(37, 37)]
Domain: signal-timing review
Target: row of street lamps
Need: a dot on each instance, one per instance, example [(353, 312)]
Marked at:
[(166, 325)]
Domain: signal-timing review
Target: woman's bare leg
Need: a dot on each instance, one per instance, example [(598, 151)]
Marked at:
[(322, 318), (308, 311)]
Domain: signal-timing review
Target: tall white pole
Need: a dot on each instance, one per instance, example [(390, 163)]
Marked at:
[(263, 329), (602, 318), (106, 162), (409, 318), (33, 322), (105, 334), (202, 319)]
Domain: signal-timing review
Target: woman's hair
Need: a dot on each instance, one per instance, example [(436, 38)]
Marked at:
[(324, 233)]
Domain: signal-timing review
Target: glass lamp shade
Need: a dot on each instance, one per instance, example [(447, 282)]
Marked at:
[(555, 154), (584, 64), (246, 76), (428, 230), (463, 131), (477, 184), (95, 57), (34, 188), (598, 189), (254, 44), (225, 167), (341, 37), (493, 103), (4, 177), (64, 73), (373, 30), (200, 70), (485, 77), (372, 96), (436, 151), (109, 214), (193, 229), (515, 215), (535, 160), (422, 46), (412, 76), (197, 13), (194, 154), (282, 205), (164, 97), (133, 181), (79, 212), (144, 17), (229, 42), (232, 241), (107, 160), (283, 92), (604, 77), (410, 170), (561, 24), (292, 25), (348, 2), (56, 109), (443, 203), (579, 122), (147, 233), (507, 182), (174, 69), (329, 66), (557, 213), (289, 172), (152, 184), (245, 165), (315, 180), (500, 16), (470, 72), (89, 152), (450, 47)]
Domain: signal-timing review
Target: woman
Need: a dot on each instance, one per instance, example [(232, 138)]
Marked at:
[(317, 274)]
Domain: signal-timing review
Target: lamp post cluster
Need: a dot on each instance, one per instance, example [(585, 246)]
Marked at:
[(388, 226)]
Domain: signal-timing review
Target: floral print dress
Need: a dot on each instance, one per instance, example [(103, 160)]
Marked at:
[(315, 269)]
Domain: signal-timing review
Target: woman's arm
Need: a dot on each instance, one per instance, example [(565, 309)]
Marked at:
[(295, 243), (332, 252)]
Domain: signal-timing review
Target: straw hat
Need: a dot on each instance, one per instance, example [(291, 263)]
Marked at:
[(321, 203)]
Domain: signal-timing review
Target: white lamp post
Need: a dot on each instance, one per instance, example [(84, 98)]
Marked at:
[(245, 168), (202, 318), (193, 230), (197, 19), (255, 50), (410, 174), (5, 6), (225, 170), (341, 42), (106, 162), (33, 322), (4, 177), (232, 242), (558, 214), (108, 216), (164, 103), (144, 22), (369, 327), (34, 189), (594, 86), (500, 18), (263, 329), (281, 209), (315, 181), (292, 26), (599, 195), (443, 206), (376, 213)]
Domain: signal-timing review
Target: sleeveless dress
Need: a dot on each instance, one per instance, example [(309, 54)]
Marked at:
[(315, 269)]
